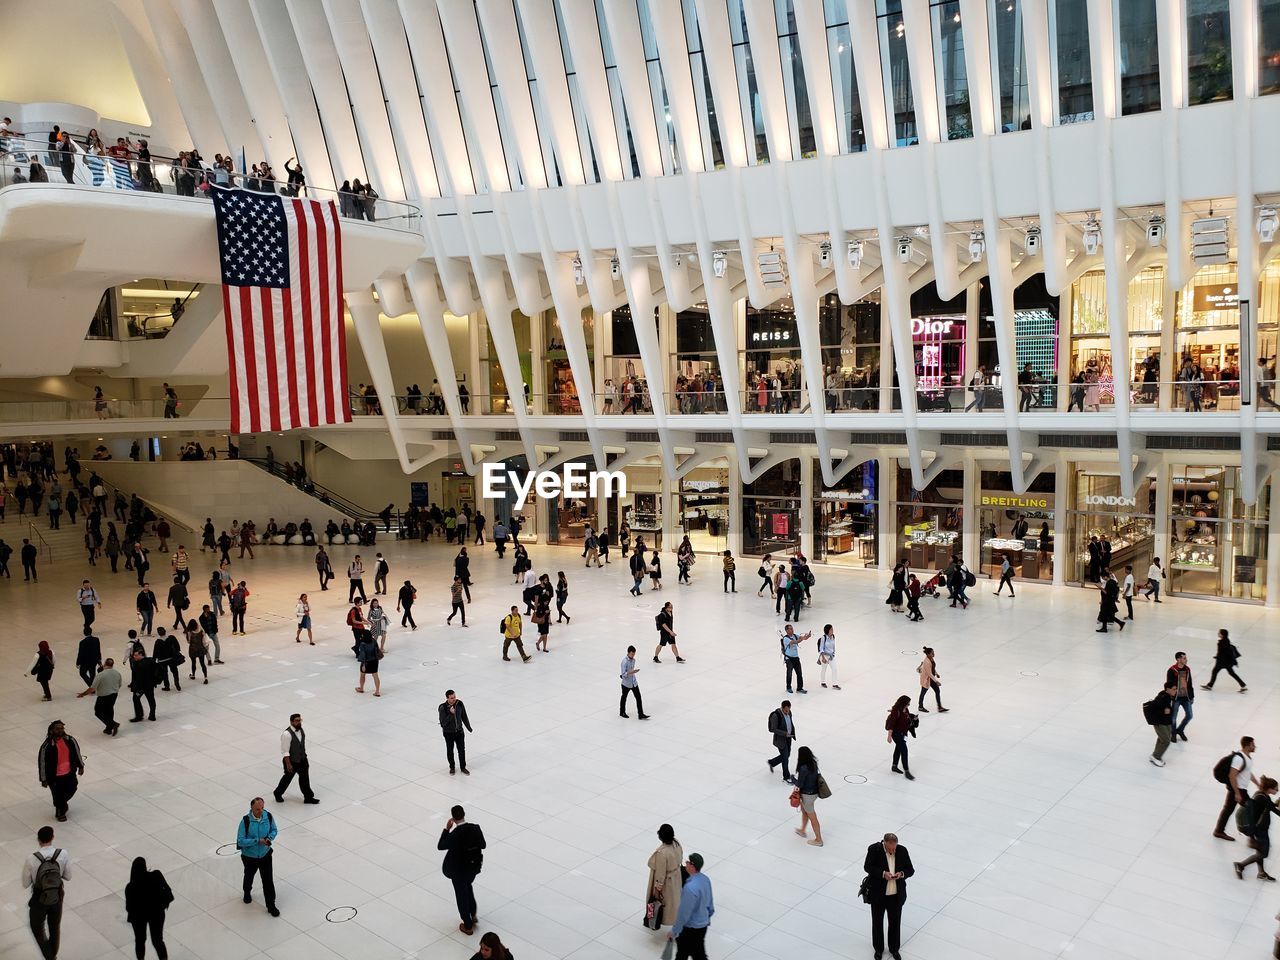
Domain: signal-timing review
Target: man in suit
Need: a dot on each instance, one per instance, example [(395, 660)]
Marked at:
[(887, 867), (783, 729), (463, 844)]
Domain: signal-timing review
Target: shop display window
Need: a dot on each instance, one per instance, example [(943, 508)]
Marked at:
[(850, 337), (1207, 371), (846, 517), (562, 392), (1109, 529), (1217, 543), (624, 388), (1016, 525), (569, 517), (929, 522), (704, 507), (696, 380), (771, 511), (772, 370)]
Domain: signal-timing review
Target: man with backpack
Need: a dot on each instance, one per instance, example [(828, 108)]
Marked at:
[(256, 833), (637, 565), (1158, 712), (45, 872), (380, 570), (58, 764), (1235, 771), (790, 642), (783, 729), (464, 845)]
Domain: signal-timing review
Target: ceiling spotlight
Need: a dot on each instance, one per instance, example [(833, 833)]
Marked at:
[(719, 264), (824, 253), (1092, 235), (1031, 241), (772, 270), (1268, 223), (578, 275), (977, 246), (1209, 242), (615, 268), (1155, 230), (922, 232), (855, 252), (904, 249)]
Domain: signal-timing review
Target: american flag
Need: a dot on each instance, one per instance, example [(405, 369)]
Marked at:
[(282, 296), (110, 172)]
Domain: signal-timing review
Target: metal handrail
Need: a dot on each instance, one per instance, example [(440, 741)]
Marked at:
[(320, 492), (114, 488), (43, 544)]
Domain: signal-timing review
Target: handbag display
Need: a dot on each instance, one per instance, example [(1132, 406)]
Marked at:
[(653, 913)]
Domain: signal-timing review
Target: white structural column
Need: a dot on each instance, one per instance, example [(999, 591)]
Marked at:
[(260, 92), (188, 85), (284, 58), (593, 86), (1061, 491), (762, 28), (1244, 65), (425, 36), (673, 52), (1035, 30), (1171, 36), (149, 69)]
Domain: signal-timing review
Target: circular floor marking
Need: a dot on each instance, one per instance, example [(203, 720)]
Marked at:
[(341, 914), (854, 778), (1030, 673), (431, 663), (227, 850), (908, 653)]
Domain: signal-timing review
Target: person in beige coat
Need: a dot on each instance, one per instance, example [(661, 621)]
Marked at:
[(665, 881), (929, 677)]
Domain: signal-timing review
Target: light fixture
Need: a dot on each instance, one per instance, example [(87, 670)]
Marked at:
[(824, 253), (977, 245), (904, 249), (719, 264), (1209, 242), (615, 268), (578, 275), (922, 232), (772, 270), (1031, 241), (1155, 230), (1268, 223), (855, 252), (1092, 235)]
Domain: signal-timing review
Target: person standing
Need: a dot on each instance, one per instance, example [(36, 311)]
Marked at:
[(1155, 575), (368, 654), (217, 590), (562, 597), (1158, 712), (88, 656), (463, 844), (790, 642), (302, 612), (899, 723), (28, 557), (455, 595), (377, 618), (665, 622), (665, 876), (58, 764), (1128, 590), (1257, 819), (455, 726), (209, 624), (142, 682), (783, 728), (89, 602), (256, 833), (1179, 674), (146, 898), (637, 566), (197, 650), (404, 601), (655, 571), (105, 686), (380, 571), (887, 866), (1237, 776), (355, 579), (627, 674), (1225, 658), (930, 678), (45, 872), (181, 561), (809, 782), (1006, 576), (177, 601), (827, 657), (167, 652), (324, 569), (42, 667), (694, 916), (730, 573), (239, 602), (511, 628), (147, 605), (293, 757)]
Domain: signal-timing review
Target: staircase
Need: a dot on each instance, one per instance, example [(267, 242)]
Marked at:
[(331, 499)]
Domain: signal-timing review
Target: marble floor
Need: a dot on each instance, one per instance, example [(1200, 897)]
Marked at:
[(1036, 825)]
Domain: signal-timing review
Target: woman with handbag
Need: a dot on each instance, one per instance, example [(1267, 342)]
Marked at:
[(898, 724), (303, 613), (197, 651), (377, 618), (897, 587), (368, 654), (766, 581), (810, 783), (929, 677), (665, 880), (542, 618)]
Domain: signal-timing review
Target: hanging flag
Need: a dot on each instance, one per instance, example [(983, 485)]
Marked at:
[(109, 172), (282, 296)]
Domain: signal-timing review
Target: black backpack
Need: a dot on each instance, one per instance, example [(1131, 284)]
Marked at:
[(1151, 713), (1222, 769), (48, 880)]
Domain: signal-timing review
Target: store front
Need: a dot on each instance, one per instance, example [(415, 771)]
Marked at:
[(1016, 525), (641, 508), (771, 511), (501, 395), (703, 505), (929, 522), (696, 377), (503, 508), (569, 517), (938, 344), (1208, 340), (850, 352), (1217, 544), (846, 517), (1102, 516), (772, 374), (625, 389), (562, 392), (1091, 356)]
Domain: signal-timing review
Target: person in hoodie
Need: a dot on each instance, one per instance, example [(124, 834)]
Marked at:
[(254, 837)]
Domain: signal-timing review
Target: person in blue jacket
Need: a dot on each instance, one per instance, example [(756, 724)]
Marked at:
[(254, 837)]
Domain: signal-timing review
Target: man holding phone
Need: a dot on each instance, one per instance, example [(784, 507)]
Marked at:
[(887, 866)]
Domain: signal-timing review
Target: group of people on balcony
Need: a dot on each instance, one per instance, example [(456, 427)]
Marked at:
[(629, 396), (698, 394)]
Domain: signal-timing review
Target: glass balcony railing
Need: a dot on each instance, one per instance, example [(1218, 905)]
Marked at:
[(25, 161), (52, 411)]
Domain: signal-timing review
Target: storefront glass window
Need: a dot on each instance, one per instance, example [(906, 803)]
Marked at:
[(1091, 339), (569, 517), (504, 508), (1218, 544), (846, 517), (1108, 529), (704, 507), (1035, 330), (938, 342), (1268, 46), (625, 389), (844, 78), (501, 394), (1011, 61), (698, 384), (930, 522), (1208, 341), (850, 352), (773, 372), (562, 391), (1016, 525), (771, 511), (897, 70)]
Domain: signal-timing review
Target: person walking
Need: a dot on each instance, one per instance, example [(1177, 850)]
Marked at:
[(541, 617), (1006, 576), (810, 783), (254, 837), (783, 729), (404, 602), (462, 570), (1158, 712), (1128, 590), (463, 845), (208, 621), (1225, 658), (167, 653), (1179, 674), (655, 571), (899, 723), (510, 628), (293, 757), (217, 592), (197, 650), (665, 622), (146, 898), (355, 579), (562, 597), (59, 763), (665, 877), (177, 601), (147, 605), (455, 726), (239, 602), (693, 919), (1155, 576), (180, 562), (887, 866), (456, 593), (765, 573), (105, 686), (913, 598), (684, 560), (1108, 603), (90, 602), (1254, 821), (88, 656), (929, 677), (1235, 771), (42, 667), (730, 573), (627, 674), (381, 569), (302, 613), (638, 570), (368, 654), (827, 657), (790, 642), (142, 682), (46, 872)]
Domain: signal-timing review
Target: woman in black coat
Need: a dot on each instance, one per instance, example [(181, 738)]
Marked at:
[(146, 898), (1225, 658), (1109, 603)]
